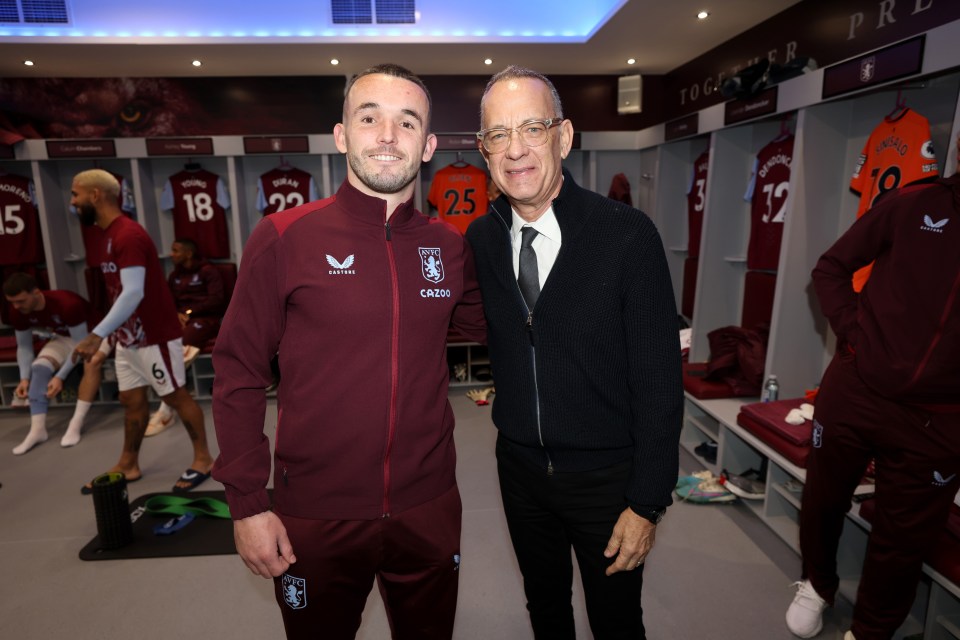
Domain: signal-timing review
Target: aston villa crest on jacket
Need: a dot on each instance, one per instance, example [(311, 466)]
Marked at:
[(431, 264)]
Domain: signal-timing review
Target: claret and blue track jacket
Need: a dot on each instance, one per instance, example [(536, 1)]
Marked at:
[(358, 308)]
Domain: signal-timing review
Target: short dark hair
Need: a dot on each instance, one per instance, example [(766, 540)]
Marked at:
[(189, 245), (397, 71), (19, 283)]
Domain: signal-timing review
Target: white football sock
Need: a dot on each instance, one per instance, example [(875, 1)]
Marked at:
[(74, 429), (38, 434)]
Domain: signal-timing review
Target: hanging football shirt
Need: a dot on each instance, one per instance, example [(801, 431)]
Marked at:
[(459, 192), (285, 188), (199, 201), (767, 194), (21, 241), (696, 202), (899, 151)]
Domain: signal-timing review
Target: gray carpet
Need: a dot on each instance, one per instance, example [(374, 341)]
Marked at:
[(716, 571)]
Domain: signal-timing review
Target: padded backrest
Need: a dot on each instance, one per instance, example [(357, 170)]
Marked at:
[(689, 285), (228, 271), (758, 288)]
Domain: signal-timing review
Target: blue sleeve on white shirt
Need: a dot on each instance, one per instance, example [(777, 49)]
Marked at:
[(748, 196), (77, 333), (166, 198), (261, 201), (132, 279), (223, 198), (24, 352)]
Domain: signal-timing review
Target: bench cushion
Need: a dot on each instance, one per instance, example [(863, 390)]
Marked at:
[(765, 420)]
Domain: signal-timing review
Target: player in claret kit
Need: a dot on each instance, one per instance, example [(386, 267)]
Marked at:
[(68, 318), (149, 343), (198, 291)]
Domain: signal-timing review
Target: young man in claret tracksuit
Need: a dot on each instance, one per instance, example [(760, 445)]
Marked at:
[(356, 293)]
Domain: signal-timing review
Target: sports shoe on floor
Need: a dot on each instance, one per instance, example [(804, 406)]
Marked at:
[(743, 486), (694, 478), (793, 486), (805, 615), (189, 355), (706, 491), (160, 423), (707, 451)]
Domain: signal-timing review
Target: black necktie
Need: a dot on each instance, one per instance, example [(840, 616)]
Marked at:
[(529, 277)]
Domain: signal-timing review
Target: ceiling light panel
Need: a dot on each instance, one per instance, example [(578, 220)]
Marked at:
[(34, 12), (401, 21)]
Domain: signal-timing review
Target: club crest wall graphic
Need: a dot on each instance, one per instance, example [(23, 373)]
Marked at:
[(431, 265), (868, 67), (294, 591)]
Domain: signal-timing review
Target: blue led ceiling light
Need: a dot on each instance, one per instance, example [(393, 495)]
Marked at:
[(225, 21)]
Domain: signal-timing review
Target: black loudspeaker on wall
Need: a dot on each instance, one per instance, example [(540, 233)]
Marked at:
[(630, 89)]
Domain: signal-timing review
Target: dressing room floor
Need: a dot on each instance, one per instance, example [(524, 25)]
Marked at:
[(717, 572)]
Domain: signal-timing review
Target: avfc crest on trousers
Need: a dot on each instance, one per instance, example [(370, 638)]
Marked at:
[(294, 591), (431, 265)]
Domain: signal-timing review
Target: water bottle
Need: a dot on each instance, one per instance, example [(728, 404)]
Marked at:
[(771, 389)]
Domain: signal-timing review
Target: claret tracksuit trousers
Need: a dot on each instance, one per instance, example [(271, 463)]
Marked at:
[(414, 556), (917, 456)]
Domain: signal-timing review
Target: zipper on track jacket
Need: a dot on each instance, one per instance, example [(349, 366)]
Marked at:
[(394, 368)]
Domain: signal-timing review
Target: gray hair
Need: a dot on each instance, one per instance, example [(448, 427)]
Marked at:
[(514, 72)]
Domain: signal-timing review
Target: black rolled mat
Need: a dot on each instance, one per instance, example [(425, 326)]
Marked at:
[(204, 536)]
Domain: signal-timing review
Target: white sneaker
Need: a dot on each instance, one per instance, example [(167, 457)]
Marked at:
[(17, 401), (160, 423), (189, 355), (805, 615)]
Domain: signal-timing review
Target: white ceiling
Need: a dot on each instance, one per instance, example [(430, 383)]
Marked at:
[(660, 34)]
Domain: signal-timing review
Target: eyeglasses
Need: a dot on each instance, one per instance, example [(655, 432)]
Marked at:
[(532, 132)]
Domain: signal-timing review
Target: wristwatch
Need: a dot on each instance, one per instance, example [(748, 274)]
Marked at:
[(653, 514)]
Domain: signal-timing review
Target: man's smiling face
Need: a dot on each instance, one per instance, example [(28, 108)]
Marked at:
[(384, 133)]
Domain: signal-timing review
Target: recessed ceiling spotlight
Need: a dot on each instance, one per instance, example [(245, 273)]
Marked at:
[(488, 61), (703, 15), (196, 63), (631, 61), (28, 63), (334, 62)]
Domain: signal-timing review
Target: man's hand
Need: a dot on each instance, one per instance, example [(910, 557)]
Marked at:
[(87, 347), (54, 387), (23, 389), (184, 318), (263, 544), (631, 541)]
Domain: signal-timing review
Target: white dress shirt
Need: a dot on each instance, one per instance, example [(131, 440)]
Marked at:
[(546, 245)]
